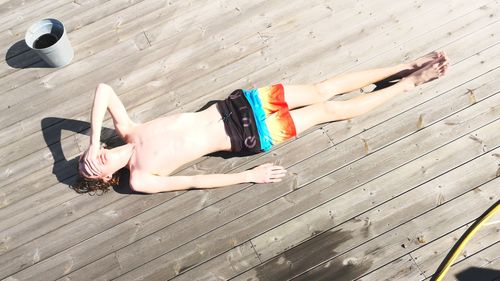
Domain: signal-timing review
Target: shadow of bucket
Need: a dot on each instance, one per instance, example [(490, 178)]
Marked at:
[(49, 40)]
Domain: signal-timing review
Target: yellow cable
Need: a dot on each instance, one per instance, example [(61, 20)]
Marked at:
[(455, 251)]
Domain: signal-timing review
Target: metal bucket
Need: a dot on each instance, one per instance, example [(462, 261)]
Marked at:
[(49, 40)]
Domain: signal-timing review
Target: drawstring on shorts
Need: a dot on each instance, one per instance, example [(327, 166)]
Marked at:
[(226, 116)]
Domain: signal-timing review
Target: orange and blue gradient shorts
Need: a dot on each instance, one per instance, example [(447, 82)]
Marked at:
[(256, 119), (272, 116)]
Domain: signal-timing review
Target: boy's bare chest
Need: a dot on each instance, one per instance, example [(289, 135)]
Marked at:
[(166, 144)]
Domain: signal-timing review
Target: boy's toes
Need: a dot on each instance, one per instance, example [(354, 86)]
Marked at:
[(442, 60), (442, 69)]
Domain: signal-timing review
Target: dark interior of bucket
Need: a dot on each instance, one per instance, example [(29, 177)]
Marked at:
[(48, 39)]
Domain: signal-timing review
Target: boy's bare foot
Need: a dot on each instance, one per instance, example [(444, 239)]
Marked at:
[(415, 65), (429, 72), (420, 62)]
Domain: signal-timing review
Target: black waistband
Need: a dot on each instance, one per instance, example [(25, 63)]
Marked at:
[(239, 122)]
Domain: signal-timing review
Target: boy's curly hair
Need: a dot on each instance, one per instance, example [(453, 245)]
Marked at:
[(94, 186)]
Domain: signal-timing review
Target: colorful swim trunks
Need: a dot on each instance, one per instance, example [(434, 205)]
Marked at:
[(257, 119), (272, 116)]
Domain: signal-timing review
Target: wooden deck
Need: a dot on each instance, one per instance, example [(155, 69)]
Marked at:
[(379, 197)]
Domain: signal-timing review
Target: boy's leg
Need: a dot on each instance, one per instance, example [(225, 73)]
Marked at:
[(328, 111), (302, 95)]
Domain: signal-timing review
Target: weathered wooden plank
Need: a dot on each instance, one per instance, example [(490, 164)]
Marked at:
[(74, 17), (482, 266), (368, 55), (485, 265), (441, 222), (254, 224), (80, 19), (431, 255), (52, 219), (66, 13), (334, 60), (30, 11), (344, 259), (7, 6), (90, 38), (232, 263), (440, 36), (122, 213), (428, 257), (220, 269), (402, 268), (348, 262)]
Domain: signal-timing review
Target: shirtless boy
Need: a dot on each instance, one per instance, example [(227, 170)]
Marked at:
[(251, 121)]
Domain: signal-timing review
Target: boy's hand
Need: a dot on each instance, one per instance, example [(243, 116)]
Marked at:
[(90, 159), (266, 173)]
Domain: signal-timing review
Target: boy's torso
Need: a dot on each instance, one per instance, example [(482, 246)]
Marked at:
[(164, 144)]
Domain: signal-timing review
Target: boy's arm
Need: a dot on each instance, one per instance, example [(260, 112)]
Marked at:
[(99, 107), (148, 183), (105, 98)]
